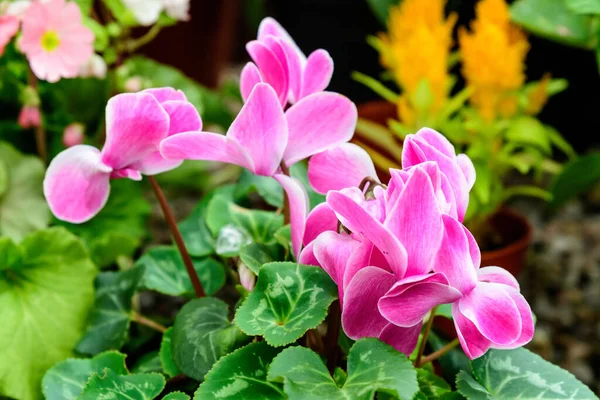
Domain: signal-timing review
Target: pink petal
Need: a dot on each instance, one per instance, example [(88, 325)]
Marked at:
[(154, 164), (366, 225), (473, 249), (183, 116), (295, 62), (339, 167), (360, 316), (454, 257), (9, 26), (135, 125), (318, 122), (166, 94), (261, 130), (416, 221), (333, 250), (248, 79), (321, 219), (359, 259), (402, 339), (271, 70), (127, 173), (467, 168), (307, 256), (298, 202), (76, 185), (317, 72), (528, 327), (204, 146), (437, 140), (473, 343), (493, 312), (270, 26), (497, 275), (410, 299)]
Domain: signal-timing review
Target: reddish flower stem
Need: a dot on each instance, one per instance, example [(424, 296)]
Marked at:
[(140, 319), (437, 354), (425, 335), (187, 260), (286, 201)]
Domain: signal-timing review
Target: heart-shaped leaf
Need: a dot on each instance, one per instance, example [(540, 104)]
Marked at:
[(111, 316), (67, 379), (110, 385), (166, 355), (166, 273), (530, 377), (372, 366), (255, 255), (23, 208), (265, 186), (242, 375), (46, 293), (202, 334), (431, 385), (288, 300)]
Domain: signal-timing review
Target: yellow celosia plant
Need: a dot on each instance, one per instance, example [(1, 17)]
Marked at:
[(416, 49), (493, 59), (492, 118)]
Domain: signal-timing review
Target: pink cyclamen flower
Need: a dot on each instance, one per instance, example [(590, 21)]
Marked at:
[(30, 117), (73, 134), (458, 170), (54, 39), (263, 136), (279, 62), (9, 26), (77, 182)]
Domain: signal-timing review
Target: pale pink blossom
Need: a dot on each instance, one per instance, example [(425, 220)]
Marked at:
[(30, 117), (73, 134), (177, 9), (54, 40), (133, 84), (95, 67), (77, 182), (9, 26)]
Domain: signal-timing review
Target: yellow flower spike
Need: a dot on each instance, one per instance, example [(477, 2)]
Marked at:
[(538, 97), (417, 48), (493, 56)]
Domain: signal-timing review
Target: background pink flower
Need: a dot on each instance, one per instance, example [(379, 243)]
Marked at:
[(29, 117), (9, 26), (54, 40)]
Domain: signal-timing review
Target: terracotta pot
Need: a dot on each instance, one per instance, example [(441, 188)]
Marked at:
[(515, 229), (512, 227)]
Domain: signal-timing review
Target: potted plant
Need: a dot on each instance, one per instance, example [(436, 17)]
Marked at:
[(492, 119)]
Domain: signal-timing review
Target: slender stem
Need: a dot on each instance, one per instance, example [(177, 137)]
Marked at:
[(437, 354), (333, 332), (140, 319), (40, 132), (286, 200), (425, 335), (134, 44), (187, 260)]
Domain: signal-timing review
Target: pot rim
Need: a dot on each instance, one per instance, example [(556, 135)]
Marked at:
[(520, 244)]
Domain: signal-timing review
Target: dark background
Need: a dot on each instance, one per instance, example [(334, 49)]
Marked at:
[(218, 30)]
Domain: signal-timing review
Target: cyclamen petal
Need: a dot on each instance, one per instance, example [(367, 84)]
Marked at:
[(339, 167), (298, 206), (261, 130), (322, 218), (183, 116), (333, 250), (135, 125), (164, 94), (269, 26), (360, 315), (271, 70), (317, 72), (527, 324), (410, 299), (402, 339), (497, 275), (416, 221), (76, 184), (493, 311), (473, 343), (307, 256), (318, 122), (249, 78)]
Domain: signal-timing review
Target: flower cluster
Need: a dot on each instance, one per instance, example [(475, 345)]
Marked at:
[(401, 249), (494, 38), (416, 50), (395, 251)]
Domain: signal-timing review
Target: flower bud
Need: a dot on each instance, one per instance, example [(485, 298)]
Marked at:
[(73, 134), (247, 277), (133, 84), (95, 67), (30, 117)]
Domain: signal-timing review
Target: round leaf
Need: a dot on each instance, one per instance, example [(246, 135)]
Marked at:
[(288, 300), (166, 355), (109, 385)]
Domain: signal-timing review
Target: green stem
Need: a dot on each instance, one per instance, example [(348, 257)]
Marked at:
[(133, 44), (376, 86), (437, 354), (140, 319), (425, 335)]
